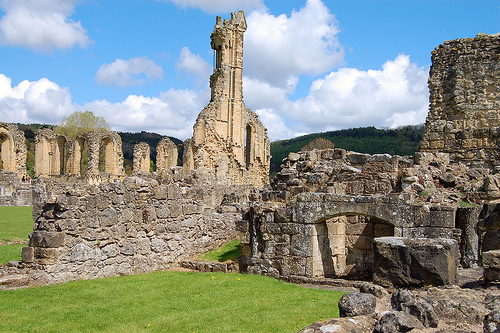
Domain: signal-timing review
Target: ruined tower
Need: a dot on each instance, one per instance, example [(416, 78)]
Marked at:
[(230, 145), (464, 115)]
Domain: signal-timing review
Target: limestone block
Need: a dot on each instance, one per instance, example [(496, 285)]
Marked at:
[(47, 239), (49, 254), (293, 157), (28, 254), (400, 261), (357, 304), (358, 158), (301, 245), (491, 265)]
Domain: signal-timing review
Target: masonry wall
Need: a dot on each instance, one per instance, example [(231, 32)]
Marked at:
[(135, 226), (464, 100)]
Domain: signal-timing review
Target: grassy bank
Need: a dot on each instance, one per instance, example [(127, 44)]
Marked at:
[(167, 302), (15, 225)]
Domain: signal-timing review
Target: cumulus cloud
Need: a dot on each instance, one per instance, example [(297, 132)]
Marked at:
[(125, 73), (278, 48), (219, 6), (41, 25), (172, 113), (393, 96), (194, 64), (41, 101)]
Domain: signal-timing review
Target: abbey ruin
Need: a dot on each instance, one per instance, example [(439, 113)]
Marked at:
[(395, 220)]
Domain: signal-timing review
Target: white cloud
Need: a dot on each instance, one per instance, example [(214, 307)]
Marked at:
[(219, 6), (132, 72), (277, 48), (41, 25), (195, 65), (39, 101), (394, 96), (171, 113)]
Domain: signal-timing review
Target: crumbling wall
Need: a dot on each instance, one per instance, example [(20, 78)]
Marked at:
[(13, 149), (51, 153), (139, 225), (325, 208), (166, 155), (464, 99), (141, 157), (229, 145)]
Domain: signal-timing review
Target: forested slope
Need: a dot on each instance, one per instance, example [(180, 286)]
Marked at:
[(399, 141)]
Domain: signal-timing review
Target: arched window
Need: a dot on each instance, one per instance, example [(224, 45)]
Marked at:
[(248, 145)]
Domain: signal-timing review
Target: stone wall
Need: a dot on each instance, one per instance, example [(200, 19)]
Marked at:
[(464, 100), (325, 208), (139, 225), (13, 149)]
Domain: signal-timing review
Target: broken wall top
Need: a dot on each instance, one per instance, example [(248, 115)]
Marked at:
[(464, 116)]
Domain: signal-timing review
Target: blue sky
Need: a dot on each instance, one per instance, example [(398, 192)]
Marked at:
[(309, 65)]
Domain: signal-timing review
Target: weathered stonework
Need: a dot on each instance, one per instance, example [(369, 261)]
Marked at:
[(139, 225), (464, 118), (166, 155), (52, 153), (57, 155), (141, 157), (13, 150), (229, 145)]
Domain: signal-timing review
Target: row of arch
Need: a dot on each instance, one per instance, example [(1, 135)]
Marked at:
[(93, 153), (88, 154)]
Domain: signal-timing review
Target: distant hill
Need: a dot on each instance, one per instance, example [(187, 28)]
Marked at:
[(399, 141), (152, 139)]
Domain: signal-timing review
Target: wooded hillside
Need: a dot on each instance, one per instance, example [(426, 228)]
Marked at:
[(399, 141)]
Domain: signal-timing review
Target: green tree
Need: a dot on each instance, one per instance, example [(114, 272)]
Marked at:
[(318, 143), (80, 122)]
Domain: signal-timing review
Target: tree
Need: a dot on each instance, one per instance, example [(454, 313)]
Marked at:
[(319, 143), (81, 122)]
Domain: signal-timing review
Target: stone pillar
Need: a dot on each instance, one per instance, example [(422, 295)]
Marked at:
[(166, 154), (141, 160)]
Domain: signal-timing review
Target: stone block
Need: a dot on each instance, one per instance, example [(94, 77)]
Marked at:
[(47, 239), (28, 254), (400, 261), (491, 265), (357, 304), (46, 253), (358, 158)]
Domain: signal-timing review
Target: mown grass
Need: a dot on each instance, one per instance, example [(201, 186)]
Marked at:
[(229, 251), (15, 223), (167, 302), (10, 252)]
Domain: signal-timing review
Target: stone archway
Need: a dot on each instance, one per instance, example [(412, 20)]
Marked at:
[(6, 152), (343, 245)]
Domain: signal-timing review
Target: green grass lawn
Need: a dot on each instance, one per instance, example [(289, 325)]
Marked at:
[(229, 251), (159, 301), (15, 223), (10, 252), (167, 302)]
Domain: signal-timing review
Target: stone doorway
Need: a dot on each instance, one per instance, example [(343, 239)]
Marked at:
[(343, 245)]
